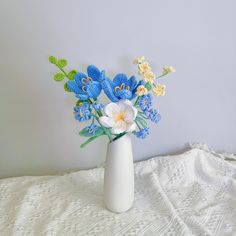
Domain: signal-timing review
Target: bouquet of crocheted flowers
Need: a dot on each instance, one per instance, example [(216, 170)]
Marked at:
[(130, 105)]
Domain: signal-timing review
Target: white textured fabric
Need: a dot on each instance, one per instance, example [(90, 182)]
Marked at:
[(189, 194)]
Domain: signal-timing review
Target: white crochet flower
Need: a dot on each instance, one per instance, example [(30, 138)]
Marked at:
[(119, 117)]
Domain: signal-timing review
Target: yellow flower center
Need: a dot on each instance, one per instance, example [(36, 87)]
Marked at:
[(121, 87), (141, 90), (86, 80), (120, 116)]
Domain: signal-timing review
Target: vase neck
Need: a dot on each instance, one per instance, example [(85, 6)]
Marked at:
[(122, 139)]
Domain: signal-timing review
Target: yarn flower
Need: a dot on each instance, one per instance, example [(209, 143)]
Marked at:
[(141, 90), (84, 86), (168, 70), (143, 68), (92, 129), (145, 101), (143, 133), (139, 60), (149, 77), (120, 87), (97, 106), (130, 105), (119, 117), (152, 114), (159, 90), (82, 112)]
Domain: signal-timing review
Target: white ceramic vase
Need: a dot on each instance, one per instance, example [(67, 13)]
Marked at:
[(119, 175)]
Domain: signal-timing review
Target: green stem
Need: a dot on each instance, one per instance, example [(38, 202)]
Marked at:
[(88, 141), (61, 69), (99, 113), (138, 125), (105, 130), (136, 101), (142, 115), (161, 76), (90, 101), (119, 136)]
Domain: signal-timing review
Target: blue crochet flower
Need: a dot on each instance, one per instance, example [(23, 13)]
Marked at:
[(83, 112), (143, 133), (84, 86), (152, 114), (98, 106), (91, 129), (145, 101), (120, 88)]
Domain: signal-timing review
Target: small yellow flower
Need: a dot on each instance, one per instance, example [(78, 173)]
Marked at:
[(139, 60), (159, 90), (143, 68), (141, 90), (168, 69), (149, 77)]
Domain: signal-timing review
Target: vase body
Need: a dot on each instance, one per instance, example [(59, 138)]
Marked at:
[(119, 175)]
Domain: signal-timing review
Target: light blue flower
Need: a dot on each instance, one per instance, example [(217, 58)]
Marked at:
[(120, 87), (84, 86), (83, 112), (92, 129), (98, 106), (152, 114), (143, 133), (145, 101)]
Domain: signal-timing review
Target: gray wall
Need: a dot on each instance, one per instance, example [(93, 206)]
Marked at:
[(38, 133)]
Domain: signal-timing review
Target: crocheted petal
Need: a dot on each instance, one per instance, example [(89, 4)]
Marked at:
[(102, 76), (131, 127), (82, 96), (119, 79), (93, 89), (132, 82), (93, 72), (106, 121), (111, 109), (108, 88), (73, 86), (78, 77), (141, 82), (119, 127), (124, 94), (130, 111)]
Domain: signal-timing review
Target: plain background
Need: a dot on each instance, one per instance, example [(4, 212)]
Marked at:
[(38, 133)]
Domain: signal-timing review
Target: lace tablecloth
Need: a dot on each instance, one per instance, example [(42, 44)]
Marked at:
[(189, 194)]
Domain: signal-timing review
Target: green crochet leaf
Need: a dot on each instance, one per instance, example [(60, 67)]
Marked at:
[(141, 121), (59, 77), (85, 132), (71, 74), (66, 88), (78, 102), (148, 86), (62, 63), (89, 141), (53, 60)]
